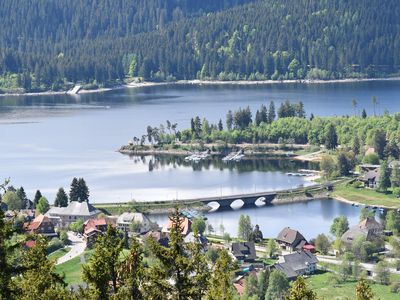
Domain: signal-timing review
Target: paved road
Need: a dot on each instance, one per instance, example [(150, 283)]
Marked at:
[(78, 246), (366, 266)]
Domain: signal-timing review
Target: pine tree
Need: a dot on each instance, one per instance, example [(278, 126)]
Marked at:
[(8, 268), (22, 195), (300, 291), (384, 177), (271, 112), (172, 276), (363, 290), (220, 285), (61, 198), (103, 265), (331, 137), (132, 274), (229, 120), (38, 195), (39, 280), (220, 126), (74, 190), (83, 190), (364, 113)]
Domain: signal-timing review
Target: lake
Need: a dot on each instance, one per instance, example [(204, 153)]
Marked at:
[(310, 218), (47, 140)]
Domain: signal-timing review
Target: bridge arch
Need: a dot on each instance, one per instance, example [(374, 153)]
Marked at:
[(214, 205), (237, 204), (260, 201)]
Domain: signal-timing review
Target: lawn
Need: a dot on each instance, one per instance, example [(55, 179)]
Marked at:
[(72, 269), (366, 196), (322, 284), (59, 253)]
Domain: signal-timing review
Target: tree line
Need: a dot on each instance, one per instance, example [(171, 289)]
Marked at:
[(48, 45)]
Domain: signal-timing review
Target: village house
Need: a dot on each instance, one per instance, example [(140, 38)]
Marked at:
[(371, 178), (158, 236), (126, 220), (41, 225), (64, 216), (369, 228), (297, 264), (186, 226), (291, 240), (244, 251), (93, 228)]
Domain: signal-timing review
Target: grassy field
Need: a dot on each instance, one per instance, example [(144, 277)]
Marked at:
[(322, 284), (366, 196), (59, 253), (72, 269)]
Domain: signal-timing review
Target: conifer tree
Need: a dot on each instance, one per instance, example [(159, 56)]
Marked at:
[(220, 285), (74, 190), (271, 112), (7, 250), (171, 277), (39, 280), (363, 290), (331, 139), (38, 195), (132, 275), (300, 291), (22, 195), (83, 190), (103, 265), (61, 198)]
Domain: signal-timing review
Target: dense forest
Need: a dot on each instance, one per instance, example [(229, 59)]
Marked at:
[(47, 44)]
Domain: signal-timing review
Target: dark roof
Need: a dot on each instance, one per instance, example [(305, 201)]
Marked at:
[(366, 228), (372, 175), (292, 237), (295, 262), (244, 251)]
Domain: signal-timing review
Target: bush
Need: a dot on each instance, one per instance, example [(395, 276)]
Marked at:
[(396, 192), (54, 245), (358, 184), (64, 237), (395, 287), (372, 159)]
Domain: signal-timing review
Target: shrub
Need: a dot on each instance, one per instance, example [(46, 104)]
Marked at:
[(54, 245), (395, 287)]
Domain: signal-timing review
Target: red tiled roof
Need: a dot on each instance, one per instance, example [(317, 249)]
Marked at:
[(185, 226), (35, 224)]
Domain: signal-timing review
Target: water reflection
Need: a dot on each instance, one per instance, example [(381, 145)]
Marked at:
[(248, 164)]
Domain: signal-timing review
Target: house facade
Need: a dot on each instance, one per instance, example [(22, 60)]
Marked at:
[(291, 240), (125, 221), (64, 216), (41, 225), (369, 228), (297, 264)]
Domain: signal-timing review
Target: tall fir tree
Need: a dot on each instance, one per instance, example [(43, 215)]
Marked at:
[(300, 291), (38, 195), (101, 272), (83, 190), (74, 190), (220, 285), (271, 112), (61, 198)]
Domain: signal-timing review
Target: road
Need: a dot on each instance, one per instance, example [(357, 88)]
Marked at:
[(78, 246), (366, 266)]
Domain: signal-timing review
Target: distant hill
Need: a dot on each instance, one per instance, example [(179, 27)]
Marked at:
[(50, 42)]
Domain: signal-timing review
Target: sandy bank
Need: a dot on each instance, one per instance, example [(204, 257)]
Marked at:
[(202, 82)]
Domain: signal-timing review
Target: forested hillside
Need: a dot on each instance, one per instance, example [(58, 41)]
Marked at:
[(49, 43)]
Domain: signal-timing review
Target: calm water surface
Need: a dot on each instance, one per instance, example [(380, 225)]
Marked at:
[(47, 140), (310, 218)]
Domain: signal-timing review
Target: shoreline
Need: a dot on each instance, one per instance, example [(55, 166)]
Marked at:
[(200, 82), (344, 200)]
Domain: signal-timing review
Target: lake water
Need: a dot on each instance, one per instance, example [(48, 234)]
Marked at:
[(310, 218), (47, 140)]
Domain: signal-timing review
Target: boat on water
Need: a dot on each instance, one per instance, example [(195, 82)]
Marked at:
[(196, 157), (234, 156)]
